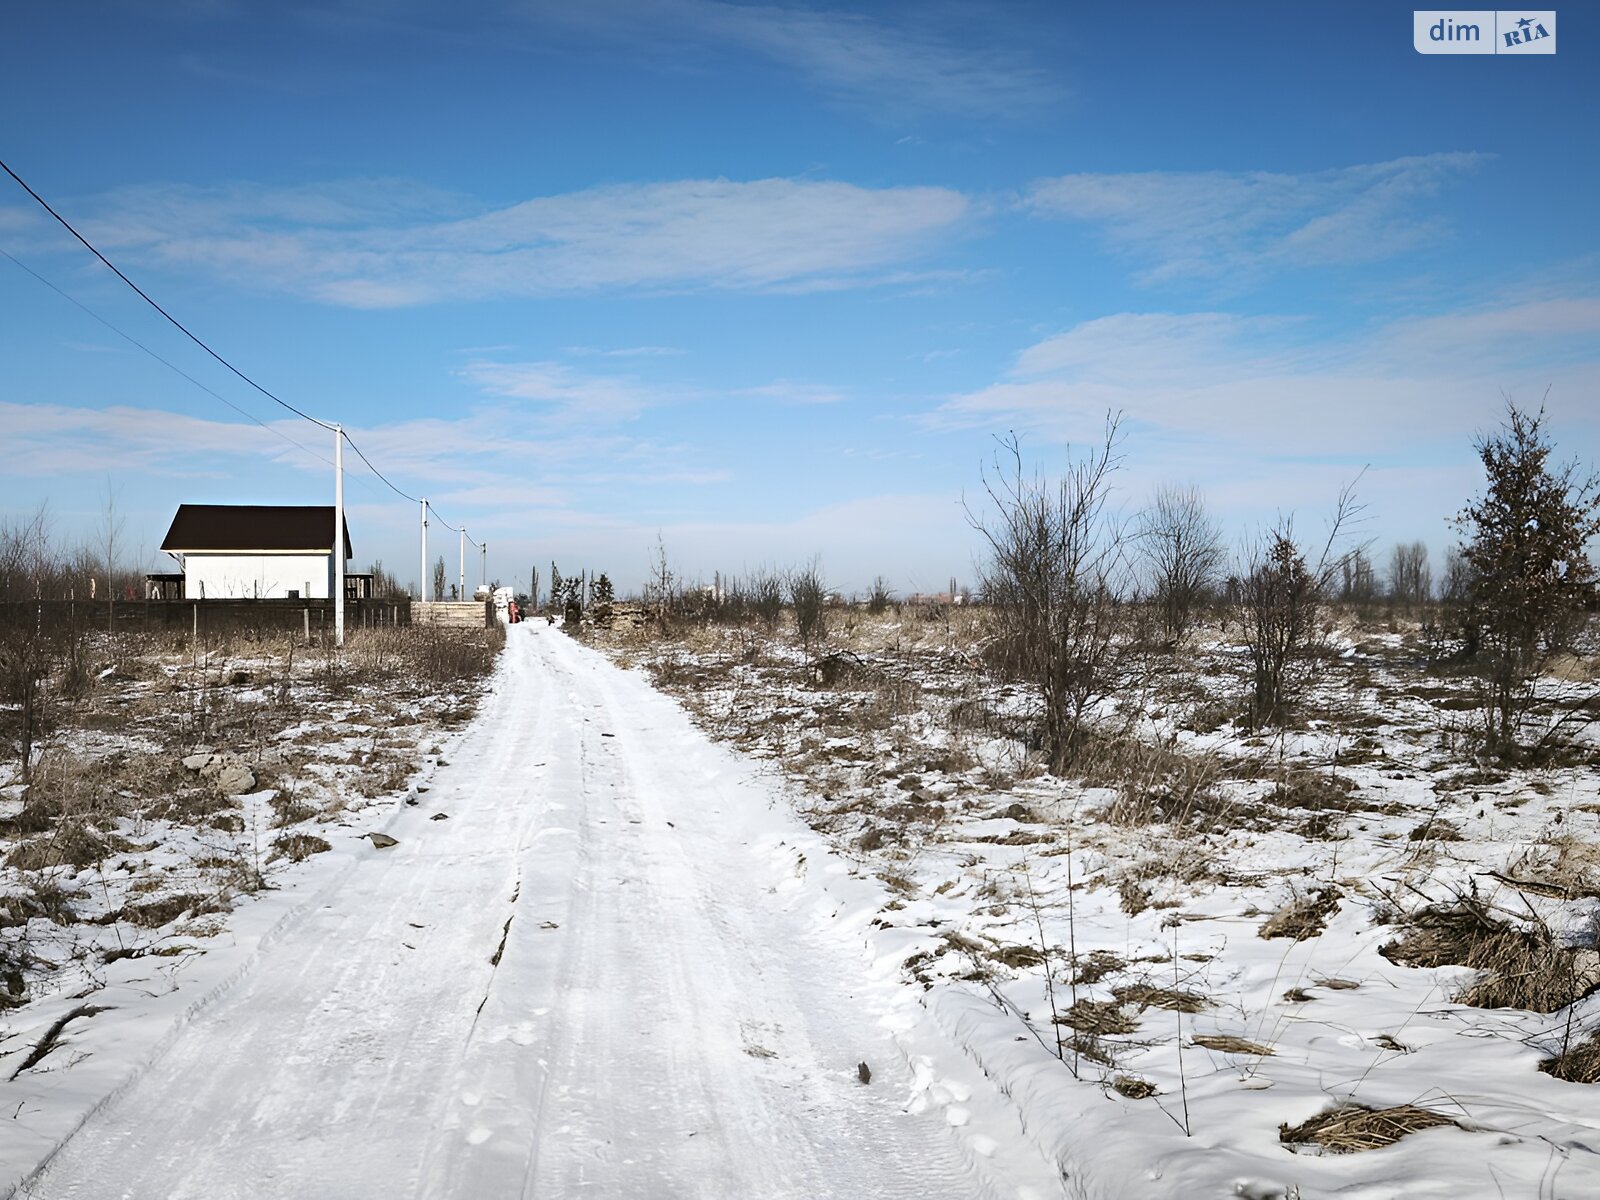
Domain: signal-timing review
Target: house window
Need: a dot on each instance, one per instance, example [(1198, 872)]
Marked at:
[(294, 593)]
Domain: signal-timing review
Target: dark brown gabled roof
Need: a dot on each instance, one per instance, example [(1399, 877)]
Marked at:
[(202, 527)]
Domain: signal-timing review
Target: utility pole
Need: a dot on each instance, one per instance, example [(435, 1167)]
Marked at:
[(483, 572), (422, 563), (338, 535), (463, 562)]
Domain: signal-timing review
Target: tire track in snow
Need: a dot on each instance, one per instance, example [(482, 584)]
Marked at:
[(661, 1022)]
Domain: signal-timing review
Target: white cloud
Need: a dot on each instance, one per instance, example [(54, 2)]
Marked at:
[(894, 69), (45, 440), (564, 391), (626, 351), (1233, 391), (375, 244), (790, 392), (13, 218), (1205, 224)]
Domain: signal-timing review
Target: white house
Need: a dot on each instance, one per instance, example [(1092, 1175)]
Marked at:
[(257, 552)]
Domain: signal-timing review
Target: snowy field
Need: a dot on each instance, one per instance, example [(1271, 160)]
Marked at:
[(862, 947), (1340, 960)]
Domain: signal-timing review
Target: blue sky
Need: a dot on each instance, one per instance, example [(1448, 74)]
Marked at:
[(768, 280)]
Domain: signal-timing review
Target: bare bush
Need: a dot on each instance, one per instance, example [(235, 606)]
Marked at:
[(1281, 595), (42, 662), (880, 597), (660, 589), (809, 596), (765, 592), (1182, 548), (1057, 582)]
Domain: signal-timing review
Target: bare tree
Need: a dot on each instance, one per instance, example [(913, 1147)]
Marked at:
[(439, 578), (1281, 594), (1182, 550), (384, 583), (881, 595), (108, 541), (661, 586), (1358, 582), (1410, 576), (28, 569), (1058, 578), (29, 645)]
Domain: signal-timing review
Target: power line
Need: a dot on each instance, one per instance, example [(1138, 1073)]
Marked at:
[(131, 340), (453, 529), (143, 295), (403, 494), (179, 371)]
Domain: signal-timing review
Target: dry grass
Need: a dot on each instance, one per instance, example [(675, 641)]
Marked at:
[(297, 847), (1132, 1087), (1563, 868), (1098, 1018), (1018, 957), (1529, 969), (1303, 917), (70, 844), (1160, 785), (156, 913), (1353, 1127), (1096, 965), (1576, 1064), (1146, 995), (1227, 1043)]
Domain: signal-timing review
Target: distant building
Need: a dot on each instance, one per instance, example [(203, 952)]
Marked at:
[(254, 552)]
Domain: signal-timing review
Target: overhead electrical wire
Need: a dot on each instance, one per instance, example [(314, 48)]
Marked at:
[(183, 329), (453, 529), (133, 341), (145, 296), (406, 495), (179, 371)]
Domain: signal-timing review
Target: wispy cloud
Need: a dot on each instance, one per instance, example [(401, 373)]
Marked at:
[(1189, 225), (564, 392), (626, 351), (375, 244), (56, 439), (894, 68), (1258, 388), (788, 391)]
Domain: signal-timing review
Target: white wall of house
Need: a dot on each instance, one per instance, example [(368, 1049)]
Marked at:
[(245, 576)]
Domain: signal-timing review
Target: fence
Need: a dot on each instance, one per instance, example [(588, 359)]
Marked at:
[(205, 618)]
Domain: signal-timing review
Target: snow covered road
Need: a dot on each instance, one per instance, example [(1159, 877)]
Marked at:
[(604, 974)]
